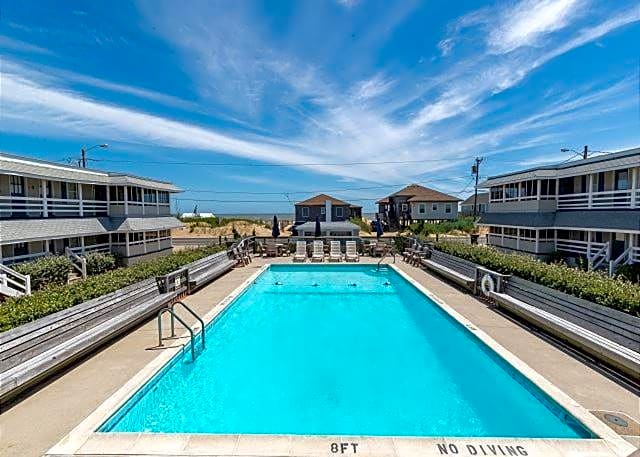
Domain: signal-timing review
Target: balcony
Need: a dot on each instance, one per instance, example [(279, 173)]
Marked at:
[(611, 199), (136, 208), (26, 207), (142, 247), (521, 243)]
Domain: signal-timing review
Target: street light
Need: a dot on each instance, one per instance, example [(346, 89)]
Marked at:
[(83, 159)]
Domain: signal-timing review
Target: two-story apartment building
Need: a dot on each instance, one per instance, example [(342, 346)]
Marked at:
[(46, 207), (481, 204), (587, 208), (417, 203), (327, 208)]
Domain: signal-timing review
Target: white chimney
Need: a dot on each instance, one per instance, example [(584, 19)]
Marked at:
[(327, 210)]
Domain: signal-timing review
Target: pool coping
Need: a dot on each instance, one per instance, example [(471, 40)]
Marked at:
[(84, 440)]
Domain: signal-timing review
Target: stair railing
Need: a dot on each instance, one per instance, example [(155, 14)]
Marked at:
[(79, 263), (11, 279)]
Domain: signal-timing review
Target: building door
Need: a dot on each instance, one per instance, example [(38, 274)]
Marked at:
[(617, 245)]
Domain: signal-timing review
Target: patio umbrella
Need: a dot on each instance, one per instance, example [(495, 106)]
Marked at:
[(275, 228), (379, 230), (318, 232)]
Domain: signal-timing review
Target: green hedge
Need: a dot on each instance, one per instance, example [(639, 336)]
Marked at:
[(46, 271), (99, 262), (17, 311), (594, 286), (462, 224)]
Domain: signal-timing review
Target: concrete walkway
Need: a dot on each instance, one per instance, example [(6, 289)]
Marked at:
[(33, 425)]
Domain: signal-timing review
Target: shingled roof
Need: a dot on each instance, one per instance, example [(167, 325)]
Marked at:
[(320, 199), (418, 193), (483, 197)]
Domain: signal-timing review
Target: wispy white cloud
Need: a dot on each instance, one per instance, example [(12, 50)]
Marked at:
[(21, 46), (529, 21), (329, 119)]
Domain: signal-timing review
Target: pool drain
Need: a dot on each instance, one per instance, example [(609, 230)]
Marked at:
[(617, 420)]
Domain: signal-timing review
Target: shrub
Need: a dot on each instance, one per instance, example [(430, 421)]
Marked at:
[(596, 286), (629, 272), (98, 262), (17, 311), (463, 224), (360, 223), (46, 271)]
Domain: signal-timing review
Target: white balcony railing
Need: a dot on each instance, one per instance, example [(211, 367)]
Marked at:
[(54, 206), (578, 247), (599, 200)]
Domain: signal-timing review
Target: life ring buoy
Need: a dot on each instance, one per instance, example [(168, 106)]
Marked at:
[(487, 284)]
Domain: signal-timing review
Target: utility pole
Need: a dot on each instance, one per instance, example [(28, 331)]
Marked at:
[(475, 170)]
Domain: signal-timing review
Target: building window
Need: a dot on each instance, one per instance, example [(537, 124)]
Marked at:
[(338, 211), (496, 193), (434, 207), (405, 207), (116, 193), (20, 249), (447, 208), (511, 190), (135, 194), (323, 210), (17, 186), (622, 179), (547, 188), (305, 211), (509, 231), (163, 197), (495, 230), (149, 196), (136, 236), (529, 188), (422, 208)]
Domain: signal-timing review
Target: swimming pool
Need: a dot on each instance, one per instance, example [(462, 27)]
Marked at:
[(341, 350)]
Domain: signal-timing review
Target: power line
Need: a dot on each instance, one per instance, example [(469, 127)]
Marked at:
[(255, 164), (293, 192)]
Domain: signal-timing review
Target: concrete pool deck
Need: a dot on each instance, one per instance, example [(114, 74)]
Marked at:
[(32, 426)]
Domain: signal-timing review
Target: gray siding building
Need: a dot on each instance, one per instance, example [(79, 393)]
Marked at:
[(46, 207), (326, 208), (417, 203), (482, 204), (586, 209)]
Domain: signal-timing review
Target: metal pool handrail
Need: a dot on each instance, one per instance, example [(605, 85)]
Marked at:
[(193, 313), (169, 310)]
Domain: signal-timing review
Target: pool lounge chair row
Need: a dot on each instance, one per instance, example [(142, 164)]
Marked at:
[(335, 253)]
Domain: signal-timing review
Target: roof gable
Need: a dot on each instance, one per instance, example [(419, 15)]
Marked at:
[(320, 199), (418, 193)]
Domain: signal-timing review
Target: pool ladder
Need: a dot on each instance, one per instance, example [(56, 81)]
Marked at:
[(171, 310), (387, 252)]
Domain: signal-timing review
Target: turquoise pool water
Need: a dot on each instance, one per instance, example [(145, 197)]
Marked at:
[(341, 350)]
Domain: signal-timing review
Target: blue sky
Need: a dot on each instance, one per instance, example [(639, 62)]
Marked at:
[(275, 89)]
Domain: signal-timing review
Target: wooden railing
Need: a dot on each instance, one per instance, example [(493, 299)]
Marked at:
[(13, 283), (62, 207), (597, 200)]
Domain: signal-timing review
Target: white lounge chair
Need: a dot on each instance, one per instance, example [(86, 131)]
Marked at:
[(352, 252), (335, 254), (318, 251), (301, 252)]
